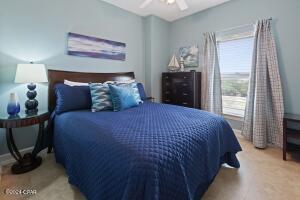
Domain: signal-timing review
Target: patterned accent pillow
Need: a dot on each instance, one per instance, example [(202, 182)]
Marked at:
[(101, 98), (135, 88)]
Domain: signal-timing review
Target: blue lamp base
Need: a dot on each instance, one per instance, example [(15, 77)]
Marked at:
[(31, 104)]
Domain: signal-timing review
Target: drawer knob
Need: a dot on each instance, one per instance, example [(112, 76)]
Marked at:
[(185, 103), (184, 94), (185, 77)]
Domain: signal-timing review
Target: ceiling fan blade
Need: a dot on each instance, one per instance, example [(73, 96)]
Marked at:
[(146, 2), (182, 4)]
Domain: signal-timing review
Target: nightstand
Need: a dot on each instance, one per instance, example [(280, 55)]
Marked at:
[(289, 133), (29, 161)]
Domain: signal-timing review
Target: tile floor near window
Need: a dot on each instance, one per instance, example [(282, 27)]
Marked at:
[(263, 175)]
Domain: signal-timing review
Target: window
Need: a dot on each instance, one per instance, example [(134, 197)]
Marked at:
[(235, 57)]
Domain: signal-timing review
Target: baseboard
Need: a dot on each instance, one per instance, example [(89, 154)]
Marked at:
[(6, 159)]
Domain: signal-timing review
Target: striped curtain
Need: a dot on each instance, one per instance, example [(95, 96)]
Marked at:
[(264, 110), (211, 76)]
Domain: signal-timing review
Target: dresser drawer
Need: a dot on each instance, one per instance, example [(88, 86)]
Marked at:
[(186, 84), (167, 96), (186, 104), (167, 101), (185, 95), (185, 90), (167, 77), (187, 76), (185, 101), (181, 76), (167, 84), (184, 75), (167, 92)]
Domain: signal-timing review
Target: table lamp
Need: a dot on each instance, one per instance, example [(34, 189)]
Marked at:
[(31, 74)]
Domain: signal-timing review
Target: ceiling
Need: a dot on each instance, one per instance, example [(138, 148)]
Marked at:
[(164, 11)]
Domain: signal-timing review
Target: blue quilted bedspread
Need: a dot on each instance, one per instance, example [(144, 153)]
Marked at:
[(154, 151)]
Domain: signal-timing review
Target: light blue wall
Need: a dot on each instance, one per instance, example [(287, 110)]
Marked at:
[(240, 12), (157, 53), (35, 30)]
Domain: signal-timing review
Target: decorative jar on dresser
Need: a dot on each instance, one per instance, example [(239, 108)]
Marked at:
[(182, 88)]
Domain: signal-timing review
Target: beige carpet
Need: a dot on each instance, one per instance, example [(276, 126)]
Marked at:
[(263, 175)]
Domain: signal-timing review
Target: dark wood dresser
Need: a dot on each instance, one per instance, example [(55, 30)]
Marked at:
[(182, 88)]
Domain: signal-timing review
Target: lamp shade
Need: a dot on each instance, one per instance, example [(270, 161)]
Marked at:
[(31, 73)]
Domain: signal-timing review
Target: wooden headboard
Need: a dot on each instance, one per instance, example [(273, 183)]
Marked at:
[(55, 76)]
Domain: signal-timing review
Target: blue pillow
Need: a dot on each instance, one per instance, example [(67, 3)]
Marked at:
[(122, 97), (69, 98), (101, 99), (142, 91), (136, 92)]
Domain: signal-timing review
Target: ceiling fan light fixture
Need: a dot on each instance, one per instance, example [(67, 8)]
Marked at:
[(181, 3), (168, 1)]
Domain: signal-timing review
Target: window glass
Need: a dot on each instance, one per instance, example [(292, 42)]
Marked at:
[(235, 57)]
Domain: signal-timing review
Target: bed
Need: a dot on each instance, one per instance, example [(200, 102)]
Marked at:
[(153, 151)]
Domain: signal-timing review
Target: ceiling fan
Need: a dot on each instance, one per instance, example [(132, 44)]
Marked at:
[(181, 3)]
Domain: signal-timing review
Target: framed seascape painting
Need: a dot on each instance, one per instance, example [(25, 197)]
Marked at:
[(190, 56), (87, 46)]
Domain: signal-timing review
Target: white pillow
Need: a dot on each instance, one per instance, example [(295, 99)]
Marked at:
[(120, 82), (72, 83)]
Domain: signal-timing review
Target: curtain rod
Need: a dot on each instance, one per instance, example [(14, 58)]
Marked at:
[(236, 27)]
